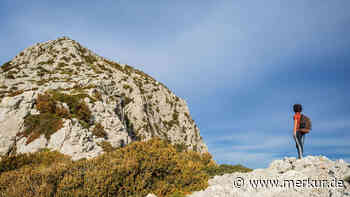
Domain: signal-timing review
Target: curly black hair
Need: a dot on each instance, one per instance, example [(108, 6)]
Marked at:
[(297, 108)]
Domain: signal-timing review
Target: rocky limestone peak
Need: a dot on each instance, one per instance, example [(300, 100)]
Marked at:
[(62, 96)]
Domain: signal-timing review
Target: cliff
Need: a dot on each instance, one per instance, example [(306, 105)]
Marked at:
[(62, 96)]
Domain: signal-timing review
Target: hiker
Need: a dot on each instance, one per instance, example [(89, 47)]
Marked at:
[(302, 126)]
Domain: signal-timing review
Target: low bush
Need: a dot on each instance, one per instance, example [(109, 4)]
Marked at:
[(78, 108), (17, 92), (7, 66), (97, 95), (89, 58), (106, 146), (61, 65), (10, 75), (225, 169), (99, 131), (44, 158), (66, 59), (137, 169), (38, 124), (77, 63), (127, 100), (126, 86), (51, 114), (49, 62)]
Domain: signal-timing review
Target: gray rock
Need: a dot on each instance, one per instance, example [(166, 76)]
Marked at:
[(281, 166), (303, 179), (347, 176), (78, 142), (23, 147), (151, 195), (150, 109)]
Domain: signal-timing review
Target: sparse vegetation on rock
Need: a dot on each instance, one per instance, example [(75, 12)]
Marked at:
[(38, 124), (63, 84)]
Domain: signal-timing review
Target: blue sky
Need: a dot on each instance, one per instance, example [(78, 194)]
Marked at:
[(240, 65)]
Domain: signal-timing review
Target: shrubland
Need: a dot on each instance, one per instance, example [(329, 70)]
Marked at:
[(154, 166)]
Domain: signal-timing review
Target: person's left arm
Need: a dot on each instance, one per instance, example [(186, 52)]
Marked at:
[(295, 126)]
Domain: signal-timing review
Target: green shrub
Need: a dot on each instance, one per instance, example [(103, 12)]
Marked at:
[(102, 67), (78, 64), (173, 122), (65, 50), (78, 108), (62, 65), (347, 179), (99, 131), (180, 147), (38, 124), (66, 59), (176, 116), (49, 62), (17, 92), (177, 194), (187, 115), (195, 148), (47, 104), (127, 100), (126, 86), (42, 71), (135, 170), (106, 146), (225, 169), (51, 114), (7, 66), (10, 76), (43, 158), (37, 176), (90, 59), (42, 82), (97, 95)]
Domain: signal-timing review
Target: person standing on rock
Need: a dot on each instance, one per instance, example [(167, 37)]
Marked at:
[(302, 125)]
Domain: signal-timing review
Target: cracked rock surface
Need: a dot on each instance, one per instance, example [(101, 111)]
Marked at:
[(124, 102), (312, 176)]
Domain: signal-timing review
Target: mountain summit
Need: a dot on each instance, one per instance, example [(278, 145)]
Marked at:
[(62, 96)]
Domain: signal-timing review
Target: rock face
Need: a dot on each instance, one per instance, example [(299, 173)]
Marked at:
[(62, 96), (315, 176)]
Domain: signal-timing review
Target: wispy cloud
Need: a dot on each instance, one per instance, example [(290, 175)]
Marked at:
[(249, 159)]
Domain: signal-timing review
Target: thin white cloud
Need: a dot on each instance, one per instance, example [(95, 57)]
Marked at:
[(248, 159)]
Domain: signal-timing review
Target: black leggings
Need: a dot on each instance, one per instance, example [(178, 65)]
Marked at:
[(299, 141)]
